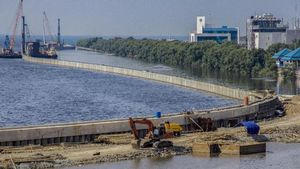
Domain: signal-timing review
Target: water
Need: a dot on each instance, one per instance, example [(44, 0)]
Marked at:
[(34, 94), (278, 156), (232, 80)]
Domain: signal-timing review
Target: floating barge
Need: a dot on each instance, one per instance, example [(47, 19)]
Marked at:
[(10, 55), (35, 49)]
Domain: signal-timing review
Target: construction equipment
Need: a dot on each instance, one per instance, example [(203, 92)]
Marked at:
[(28, 34), (17, 19), (154, 134), (8, 50), (46, 25)]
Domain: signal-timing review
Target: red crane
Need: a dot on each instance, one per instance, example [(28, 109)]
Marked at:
[(17, 19)]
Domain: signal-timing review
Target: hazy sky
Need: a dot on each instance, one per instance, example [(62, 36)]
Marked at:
[(140, 17)]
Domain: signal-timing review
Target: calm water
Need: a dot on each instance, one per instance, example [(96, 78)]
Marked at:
[(278, 156), (283, 87), (41, 94)]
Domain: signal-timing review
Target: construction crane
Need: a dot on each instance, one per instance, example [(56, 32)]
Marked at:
[(28, 35), (15, 25), (6, 42), (46, 25)]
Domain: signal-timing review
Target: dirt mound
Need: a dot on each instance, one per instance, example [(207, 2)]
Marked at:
[(102, 140), (296, 98), (293, 106), (289, 134)]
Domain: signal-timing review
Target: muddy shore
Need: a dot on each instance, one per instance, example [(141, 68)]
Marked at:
[(110, 148)]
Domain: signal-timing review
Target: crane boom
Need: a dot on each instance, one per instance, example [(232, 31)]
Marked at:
[(47, 25), (28, 32), (17, 19)]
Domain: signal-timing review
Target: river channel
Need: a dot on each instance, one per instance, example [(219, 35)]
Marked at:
[(278, 156), (289, 87)]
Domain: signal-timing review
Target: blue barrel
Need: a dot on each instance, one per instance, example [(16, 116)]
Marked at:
[(158, 114), (251, 126)]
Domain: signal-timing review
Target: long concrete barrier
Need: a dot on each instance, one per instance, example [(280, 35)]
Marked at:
[(212, 88), (88, 49), (87, 131)]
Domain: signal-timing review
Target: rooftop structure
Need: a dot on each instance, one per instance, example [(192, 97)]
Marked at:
[(281, 53), (265, 30), (292, 56), (287, 56), (219, 34)]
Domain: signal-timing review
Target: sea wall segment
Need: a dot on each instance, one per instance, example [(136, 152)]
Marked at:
[(87, 131), (212, 88)]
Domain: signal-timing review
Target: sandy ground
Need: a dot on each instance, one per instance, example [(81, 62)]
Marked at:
[(117, 147)]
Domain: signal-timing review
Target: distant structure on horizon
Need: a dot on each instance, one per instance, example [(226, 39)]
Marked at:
[(219, 34), (265, 30)]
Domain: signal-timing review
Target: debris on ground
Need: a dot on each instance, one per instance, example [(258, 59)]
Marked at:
[(111, 148)]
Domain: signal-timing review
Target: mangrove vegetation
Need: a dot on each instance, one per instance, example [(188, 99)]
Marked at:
[(208, 55)]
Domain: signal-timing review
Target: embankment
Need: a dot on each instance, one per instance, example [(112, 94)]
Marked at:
[(213, 88), (87, 131)]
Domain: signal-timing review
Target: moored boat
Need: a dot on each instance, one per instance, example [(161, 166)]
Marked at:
[(10, 54), (35, 49)]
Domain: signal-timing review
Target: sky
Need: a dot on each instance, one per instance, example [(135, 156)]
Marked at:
[(140, 17)]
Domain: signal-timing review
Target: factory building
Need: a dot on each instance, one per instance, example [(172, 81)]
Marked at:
[(206, 32), (265, 30)]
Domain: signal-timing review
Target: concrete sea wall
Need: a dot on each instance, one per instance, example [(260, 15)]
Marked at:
[(87, 131), (88, 49), (213, 88)]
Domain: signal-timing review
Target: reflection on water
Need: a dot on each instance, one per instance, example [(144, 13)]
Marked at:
[(288, 87), (283, 87), (278, 156)]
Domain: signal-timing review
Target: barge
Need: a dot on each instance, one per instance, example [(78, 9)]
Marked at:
[(10, 54), (35, 49)]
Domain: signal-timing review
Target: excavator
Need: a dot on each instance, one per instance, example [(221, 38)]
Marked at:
[(155, 136)]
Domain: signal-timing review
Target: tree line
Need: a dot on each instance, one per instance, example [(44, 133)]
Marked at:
[(208, 55)]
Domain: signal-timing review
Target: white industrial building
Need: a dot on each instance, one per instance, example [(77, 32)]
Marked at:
[(206, 32), (265, 30), (265, 39)]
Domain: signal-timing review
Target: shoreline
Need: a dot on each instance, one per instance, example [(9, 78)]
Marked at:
[(117, 147)]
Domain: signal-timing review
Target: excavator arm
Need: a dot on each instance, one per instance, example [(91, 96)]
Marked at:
[(133, 122)]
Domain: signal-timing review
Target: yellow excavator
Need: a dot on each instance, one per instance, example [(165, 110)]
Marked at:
[(154, 134)]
